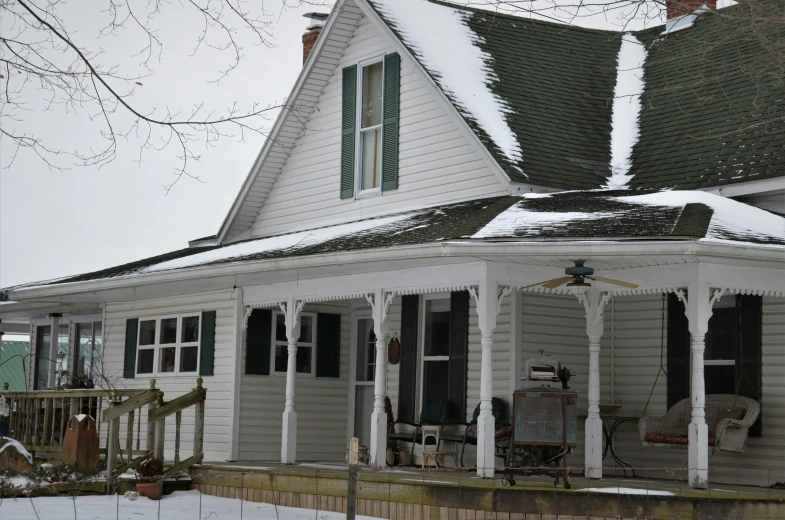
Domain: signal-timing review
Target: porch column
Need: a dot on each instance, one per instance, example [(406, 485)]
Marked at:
[(380, 304), (594, 302), (698, 304), (487, 299), (291, 310), (53, 339)]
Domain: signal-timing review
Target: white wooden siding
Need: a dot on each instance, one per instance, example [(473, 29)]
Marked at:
[(437, 162), (218, 409), (321, 404)]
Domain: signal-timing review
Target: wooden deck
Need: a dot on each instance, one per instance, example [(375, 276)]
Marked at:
[(410, 493)]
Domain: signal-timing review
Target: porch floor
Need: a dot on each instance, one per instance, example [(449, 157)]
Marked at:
[(612, 496)]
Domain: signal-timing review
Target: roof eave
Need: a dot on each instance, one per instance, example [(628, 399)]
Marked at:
[(522, 248)]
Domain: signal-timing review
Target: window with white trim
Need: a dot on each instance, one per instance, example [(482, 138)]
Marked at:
[(305, 345), (435, 358), (369, 145), (169, 345)]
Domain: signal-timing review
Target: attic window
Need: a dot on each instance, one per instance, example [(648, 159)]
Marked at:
[(369, 144)]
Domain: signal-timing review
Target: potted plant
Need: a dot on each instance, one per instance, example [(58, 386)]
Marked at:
[(149, 477)]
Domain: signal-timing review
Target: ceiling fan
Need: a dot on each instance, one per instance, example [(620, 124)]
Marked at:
[(577, 276)]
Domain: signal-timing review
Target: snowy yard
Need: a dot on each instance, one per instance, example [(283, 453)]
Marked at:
[(180, 505)]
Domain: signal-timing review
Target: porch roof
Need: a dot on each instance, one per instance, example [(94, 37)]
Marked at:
[(599, 215)]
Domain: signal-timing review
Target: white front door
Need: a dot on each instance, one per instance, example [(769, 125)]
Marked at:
[(362, 371)]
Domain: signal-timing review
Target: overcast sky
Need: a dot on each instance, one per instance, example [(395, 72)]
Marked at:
[(56, 223)]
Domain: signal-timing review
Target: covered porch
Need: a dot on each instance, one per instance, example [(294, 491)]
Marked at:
[(610, 336)]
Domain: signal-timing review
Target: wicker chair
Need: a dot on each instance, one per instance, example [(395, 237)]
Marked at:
[(726, 435)]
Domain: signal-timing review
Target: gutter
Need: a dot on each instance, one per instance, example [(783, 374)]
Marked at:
[(487, 250)]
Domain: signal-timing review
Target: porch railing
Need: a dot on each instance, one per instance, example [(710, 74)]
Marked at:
[(39, 420), (157, 412)]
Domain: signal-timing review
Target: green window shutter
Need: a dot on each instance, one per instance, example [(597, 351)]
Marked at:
[(129, 359), (328, 345), (207, 345), (459, 353), (258, 339), (392, 93), (348, 131), (750, 354), (678, 345), (407, 379)]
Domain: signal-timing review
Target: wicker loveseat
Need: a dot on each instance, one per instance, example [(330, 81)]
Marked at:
[(727, 434)]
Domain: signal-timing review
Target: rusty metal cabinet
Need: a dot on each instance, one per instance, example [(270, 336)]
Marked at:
[(545, 429)]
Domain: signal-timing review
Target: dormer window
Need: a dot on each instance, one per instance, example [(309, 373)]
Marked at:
[(369, 129)]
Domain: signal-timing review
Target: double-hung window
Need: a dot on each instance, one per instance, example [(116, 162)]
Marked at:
[(169, 345), (370, 128), (305, 344), (436, 351)]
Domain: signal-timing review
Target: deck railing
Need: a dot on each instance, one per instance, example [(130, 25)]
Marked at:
[(157, 412), (39, 420)]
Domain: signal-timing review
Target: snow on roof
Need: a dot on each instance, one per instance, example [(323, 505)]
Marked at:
[(514, 218), (626, 109), (732, 220), (289, 242), (451, 52)]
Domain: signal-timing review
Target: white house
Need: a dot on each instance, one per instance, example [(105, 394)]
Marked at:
[(438, 164)]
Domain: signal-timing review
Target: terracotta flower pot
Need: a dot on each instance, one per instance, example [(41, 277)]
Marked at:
[(151, 490)]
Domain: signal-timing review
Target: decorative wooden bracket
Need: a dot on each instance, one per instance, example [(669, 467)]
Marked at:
[(388, 298), (504, 291), (594, 315), (295, 319)]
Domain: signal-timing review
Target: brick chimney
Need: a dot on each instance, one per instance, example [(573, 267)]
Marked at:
[(311, 34), (678, 8)]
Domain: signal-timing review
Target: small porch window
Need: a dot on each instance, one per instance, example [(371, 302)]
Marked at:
[(168, 345), (370, 124), (305, 344)]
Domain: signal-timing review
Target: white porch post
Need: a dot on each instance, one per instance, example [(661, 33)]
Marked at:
[(53, 339), (698, 304), (487, 300), (291, 310), (594, 302), (380, 304)]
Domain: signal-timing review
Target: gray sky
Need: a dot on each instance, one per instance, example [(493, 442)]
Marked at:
[(57, 223)]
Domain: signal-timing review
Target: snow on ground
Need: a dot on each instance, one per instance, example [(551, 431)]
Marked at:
[(180, 505), (461, 68), (730, 216), (625, 128), (277, 243), (628, 491)]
